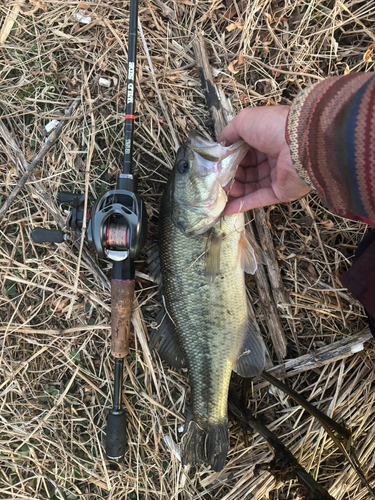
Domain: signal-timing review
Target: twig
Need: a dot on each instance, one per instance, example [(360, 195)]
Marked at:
[(326, 422), (162, 105), (87, 180), (208, 85), (9, 21), (272, 317), (284, 71), (37, 159), (166, 11), (284, 466), (269, 254)]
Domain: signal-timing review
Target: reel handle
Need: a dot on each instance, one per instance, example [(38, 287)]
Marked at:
[(40, 235), (69, 197)]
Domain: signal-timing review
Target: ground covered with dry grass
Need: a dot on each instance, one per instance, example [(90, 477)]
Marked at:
[(55, 366)]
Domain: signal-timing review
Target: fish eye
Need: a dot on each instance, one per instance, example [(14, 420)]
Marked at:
[(183, 166)]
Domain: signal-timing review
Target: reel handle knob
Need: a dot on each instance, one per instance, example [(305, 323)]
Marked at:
[(40, 235), (69, 197)]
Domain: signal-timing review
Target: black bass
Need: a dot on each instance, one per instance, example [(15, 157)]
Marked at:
[(205, 324)]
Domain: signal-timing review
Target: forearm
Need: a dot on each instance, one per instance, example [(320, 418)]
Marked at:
[(331, 135)]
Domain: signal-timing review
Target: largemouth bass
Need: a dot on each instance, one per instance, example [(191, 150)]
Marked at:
[(205, 324)]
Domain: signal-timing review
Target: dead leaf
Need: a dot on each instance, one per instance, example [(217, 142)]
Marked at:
[(31, 12), (367, 57), (268, 17), (327, 223), (241, 59), (233, 26), (312, 270), (9, 174), (231, 66), (347, 70), (279, 251)]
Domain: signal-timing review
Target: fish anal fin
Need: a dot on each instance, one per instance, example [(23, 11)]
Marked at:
[(247, 255), (212, 256), (251, 359), (164, 340)]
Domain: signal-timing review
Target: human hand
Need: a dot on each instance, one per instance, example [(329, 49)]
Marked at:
[(266, 175)]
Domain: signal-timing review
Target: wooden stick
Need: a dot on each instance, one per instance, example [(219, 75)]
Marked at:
[(220, 116), (269, 254), (208, 85), (271, 315), (325, 355)]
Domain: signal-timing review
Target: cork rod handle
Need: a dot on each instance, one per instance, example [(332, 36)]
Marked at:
[(122, 296)]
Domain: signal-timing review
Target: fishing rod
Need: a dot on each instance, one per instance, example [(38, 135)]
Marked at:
[(117, 231)]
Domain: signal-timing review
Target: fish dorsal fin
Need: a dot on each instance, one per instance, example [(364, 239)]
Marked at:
[(247, 255), (212, 255), (251, 359), (164, 339)]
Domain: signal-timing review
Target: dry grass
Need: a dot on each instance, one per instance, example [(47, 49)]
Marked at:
[(55, 365)]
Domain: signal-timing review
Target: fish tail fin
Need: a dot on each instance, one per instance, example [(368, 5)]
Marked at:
[(209, 444)]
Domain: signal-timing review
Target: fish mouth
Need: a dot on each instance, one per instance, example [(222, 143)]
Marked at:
[(212, 157)]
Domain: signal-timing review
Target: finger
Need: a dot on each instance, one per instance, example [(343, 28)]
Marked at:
[(253, 158), (260, 198), (239, 190), (253, 174), (262, 128)]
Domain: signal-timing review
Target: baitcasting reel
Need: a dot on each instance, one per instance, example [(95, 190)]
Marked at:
[(116, 224)]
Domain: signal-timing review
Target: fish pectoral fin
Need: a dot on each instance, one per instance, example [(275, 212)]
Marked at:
[(251, 359), (247, 255), (208, 444), (164, 340), (212, 256)]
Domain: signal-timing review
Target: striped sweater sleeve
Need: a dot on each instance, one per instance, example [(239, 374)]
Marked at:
[(331, 136)]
